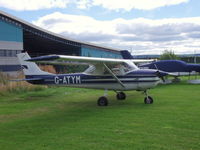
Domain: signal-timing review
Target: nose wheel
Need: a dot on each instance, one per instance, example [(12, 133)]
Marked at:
[(148, 99)]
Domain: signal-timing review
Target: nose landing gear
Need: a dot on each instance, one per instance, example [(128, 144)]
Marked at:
[(148, 99)]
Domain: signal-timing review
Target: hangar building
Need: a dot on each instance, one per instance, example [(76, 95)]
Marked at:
[(17, 35)]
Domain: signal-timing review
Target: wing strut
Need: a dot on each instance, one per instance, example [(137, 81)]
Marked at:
[(113, 75)]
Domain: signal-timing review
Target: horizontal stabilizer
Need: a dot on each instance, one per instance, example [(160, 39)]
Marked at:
[(31, 79), (30, 68)]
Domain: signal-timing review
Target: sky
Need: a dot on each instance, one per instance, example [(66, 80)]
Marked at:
[(140, 26)]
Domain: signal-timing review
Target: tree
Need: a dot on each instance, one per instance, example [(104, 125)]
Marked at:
[(168, 55)]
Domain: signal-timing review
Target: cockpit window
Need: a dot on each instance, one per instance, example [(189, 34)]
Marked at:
[(121, 69), (117, 69)]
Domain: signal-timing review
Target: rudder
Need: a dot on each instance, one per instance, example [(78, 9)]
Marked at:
[(29, 68)]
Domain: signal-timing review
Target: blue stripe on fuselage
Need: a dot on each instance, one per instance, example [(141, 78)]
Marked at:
[(81, 78)]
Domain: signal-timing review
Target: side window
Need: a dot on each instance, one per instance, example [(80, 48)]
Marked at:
[(121, 69), (118, 69)]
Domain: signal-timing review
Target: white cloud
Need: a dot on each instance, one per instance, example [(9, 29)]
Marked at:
[(83, 4), (21, 5), (76, 24), (135, 4), (142, 35), (116, 5)]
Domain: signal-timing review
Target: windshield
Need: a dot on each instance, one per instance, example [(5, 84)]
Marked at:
[(90, 69), (131, 65)]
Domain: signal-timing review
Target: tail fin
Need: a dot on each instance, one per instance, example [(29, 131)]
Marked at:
[(126, 55), (29, 68)]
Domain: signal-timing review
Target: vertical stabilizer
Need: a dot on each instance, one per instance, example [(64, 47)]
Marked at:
[(29, 68), (126, 55)]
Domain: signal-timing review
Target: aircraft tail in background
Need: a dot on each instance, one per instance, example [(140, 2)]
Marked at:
[(126, 54)]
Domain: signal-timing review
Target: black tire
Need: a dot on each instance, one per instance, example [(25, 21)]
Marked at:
[(102, 101), (121, 96), (148, 100)]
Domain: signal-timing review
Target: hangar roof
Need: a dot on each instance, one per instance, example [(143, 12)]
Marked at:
[(24, 24)]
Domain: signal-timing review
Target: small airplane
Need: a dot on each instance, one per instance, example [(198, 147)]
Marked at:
[(176, 67), (103, 73)]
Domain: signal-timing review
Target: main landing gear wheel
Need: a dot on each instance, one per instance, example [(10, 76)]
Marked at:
[(148, 100), (121, 96), (102, 101)]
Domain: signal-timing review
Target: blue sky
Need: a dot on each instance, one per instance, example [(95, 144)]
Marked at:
[(187, 9), (143, 27)]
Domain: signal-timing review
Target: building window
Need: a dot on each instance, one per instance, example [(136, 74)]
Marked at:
[(1, 53), (4, 53), (9, 53)]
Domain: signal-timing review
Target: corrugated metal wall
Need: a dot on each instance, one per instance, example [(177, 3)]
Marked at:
[(95, 52)]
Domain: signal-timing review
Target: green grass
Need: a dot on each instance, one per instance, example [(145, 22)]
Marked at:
[(66, 118)]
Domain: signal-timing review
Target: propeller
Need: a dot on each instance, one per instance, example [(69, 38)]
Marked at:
[(159, 73)]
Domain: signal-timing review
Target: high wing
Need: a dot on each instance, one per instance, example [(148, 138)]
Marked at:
[(99, 63), (141, 60), (62, 59)]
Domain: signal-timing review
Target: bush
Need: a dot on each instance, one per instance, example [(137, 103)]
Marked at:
[(6, 85), (168, 55)]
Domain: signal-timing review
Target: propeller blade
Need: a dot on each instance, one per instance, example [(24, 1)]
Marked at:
[(156, 66), (159, 74)]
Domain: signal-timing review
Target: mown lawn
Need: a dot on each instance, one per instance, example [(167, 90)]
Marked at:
[(66, 118)]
